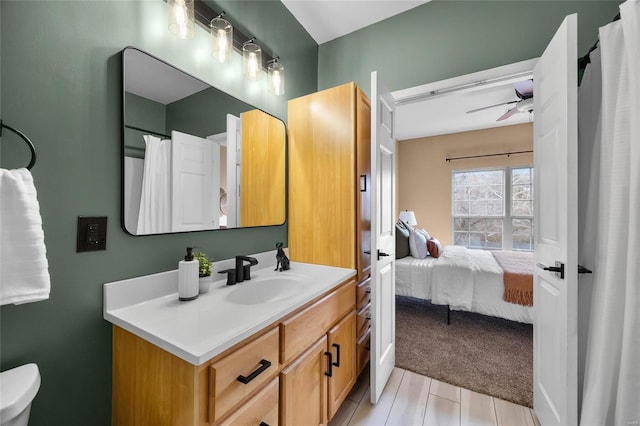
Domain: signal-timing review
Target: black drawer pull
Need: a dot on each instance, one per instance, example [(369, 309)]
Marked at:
[(330, 364), (264, 424), (264, 364), (337, 346)]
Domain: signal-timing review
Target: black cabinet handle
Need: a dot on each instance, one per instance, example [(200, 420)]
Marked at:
[(330, 364), (264, 424), (264, 364), (337, 346)]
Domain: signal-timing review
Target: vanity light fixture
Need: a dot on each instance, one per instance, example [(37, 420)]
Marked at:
[(181, 18), (221, 38), (251, 60), (275, 73)]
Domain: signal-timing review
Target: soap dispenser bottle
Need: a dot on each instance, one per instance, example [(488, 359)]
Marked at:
[(188, 277)]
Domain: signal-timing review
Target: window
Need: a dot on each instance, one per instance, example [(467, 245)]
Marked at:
[(482, 219)]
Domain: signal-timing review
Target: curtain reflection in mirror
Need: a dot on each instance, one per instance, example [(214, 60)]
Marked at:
[(155, 199)]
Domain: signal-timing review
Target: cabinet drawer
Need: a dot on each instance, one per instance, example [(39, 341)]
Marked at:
[(363, 294), (362, 320), (304, 328), (263, 407), (225, 387), (363, 351)]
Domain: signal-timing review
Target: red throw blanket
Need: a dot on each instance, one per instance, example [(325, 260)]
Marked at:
[(518, 276)]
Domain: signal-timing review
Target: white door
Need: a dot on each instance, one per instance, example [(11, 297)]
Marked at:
[(555, 358), (195, 188), (234, 155), (383, 300)]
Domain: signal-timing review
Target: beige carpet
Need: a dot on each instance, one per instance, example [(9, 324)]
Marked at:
[(484, 354)]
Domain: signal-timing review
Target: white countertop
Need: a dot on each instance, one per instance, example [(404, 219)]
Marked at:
[(200, 329)]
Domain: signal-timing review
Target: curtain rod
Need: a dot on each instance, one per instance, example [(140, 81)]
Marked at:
[(586, 59), (140, 129), (508, 154)]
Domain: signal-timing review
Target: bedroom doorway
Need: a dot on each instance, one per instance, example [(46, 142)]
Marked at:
[(468, 105)]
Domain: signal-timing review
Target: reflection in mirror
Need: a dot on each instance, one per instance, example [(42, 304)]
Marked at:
[(195, 158)]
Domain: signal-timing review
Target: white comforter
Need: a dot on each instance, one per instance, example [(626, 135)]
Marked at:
[(464, 279)]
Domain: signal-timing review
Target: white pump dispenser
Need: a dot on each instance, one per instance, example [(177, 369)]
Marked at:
[(188, 288)]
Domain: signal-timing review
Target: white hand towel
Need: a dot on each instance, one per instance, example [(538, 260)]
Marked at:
[(24, 270)]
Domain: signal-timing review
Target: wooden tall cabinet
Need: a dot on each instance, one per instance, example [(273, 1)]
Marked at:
[(330, 189), (330, 178)]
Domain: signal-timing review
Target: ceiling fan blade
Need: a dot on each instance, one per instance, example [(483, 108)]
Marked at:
[(508, 114), (491, 106), (524, 88)]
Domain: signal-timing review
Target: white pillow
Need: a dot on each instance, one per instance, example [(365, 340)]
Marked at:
[(418, 244), (426, 234)]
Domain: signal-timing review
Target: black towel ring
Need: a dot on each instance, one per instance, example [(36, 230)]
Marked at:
[(24, 138)]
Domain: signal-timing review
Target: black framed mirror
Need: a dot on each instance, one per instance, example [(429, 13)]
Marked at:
[(195, 158)]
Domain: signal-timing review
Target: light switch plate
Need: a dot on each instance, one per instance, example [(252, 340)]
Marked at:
[(91, 233)]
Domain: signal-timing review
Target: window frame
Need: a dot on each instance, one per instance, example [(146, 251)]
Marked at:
[(507, 218)]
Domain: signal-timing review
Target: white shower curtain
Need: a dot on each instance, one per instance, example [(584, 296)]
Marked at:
[(611, 241), (155, 203)]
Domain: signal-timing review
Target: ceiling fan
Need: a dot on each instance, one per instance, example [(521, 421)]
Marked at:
[(524, 103)]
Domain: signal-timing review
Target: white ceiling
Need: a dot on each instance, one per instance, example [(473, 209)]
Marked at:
[(448, 113), (429, 115), (326, 20)]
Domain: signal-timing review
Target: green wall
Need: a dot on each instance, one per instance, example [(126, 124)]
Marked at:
[(444, 39), (61, 85)]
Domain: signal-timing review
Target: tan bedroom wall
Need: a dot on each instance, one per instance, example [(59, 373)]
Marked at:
[(424, 176)]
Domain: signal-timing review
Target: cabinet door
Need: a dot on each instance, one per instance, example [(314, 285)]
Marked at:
[(341, 343), (322, 177), (304, 388)]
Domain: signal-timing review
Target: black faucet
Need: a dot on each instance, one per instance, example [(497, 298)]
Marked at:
[(243, 272)]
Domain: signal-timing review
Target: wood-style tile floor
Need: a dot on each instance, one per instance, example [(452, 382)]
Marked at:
[(411, 399)]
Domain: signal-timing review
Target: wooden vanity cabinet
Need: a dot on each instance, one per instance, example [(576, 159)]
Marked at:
[(154, 387)]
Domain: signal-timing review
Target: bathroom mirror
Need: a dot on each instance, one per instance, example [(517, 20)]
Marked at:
[(194, 157)]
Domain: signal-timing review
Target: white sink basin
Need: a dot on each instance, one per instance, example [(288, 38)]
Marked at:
[(267, 288)]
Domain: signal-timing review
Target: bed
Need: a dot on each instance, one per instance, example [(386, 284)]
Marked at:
[(467, 280)]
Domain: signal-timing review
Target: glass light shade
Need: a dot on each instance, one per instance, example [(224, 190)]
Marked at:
[(252, 61), (221, 39), (275, 72), (408, 217), (182, 21)]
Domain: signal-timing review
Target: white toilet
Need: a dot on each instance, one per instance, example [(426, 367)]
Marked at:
[(18, 387)]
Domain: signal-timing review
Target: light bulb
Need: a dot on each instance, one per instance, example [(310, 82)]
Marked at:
[(181, 18), (252, 61), (275, 79), (221, 39), (222, 45), (253, 65), (275, 71)]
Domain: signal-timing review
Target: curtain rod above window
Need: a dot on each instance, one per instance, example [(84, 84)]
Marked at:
[(508, 154)]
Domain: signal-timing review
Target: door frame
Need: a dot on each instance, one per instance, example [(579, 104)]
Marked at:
[(491, 77), (501, 75)]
